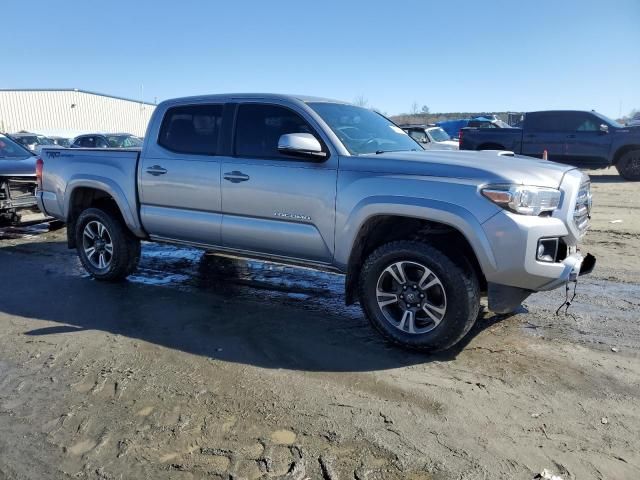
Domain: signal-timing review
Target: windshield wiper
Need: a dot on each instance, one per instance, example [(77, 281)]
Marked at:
[(378, 152)]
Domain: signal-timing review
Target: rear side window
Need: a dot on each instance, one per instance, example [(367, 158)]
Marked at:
[(259, 127), (192, 129), (542, 122), (88, 142)]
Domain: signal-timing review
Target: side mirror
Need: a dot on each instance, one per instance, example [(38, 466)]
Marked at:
[(301, 144), (604, 128)]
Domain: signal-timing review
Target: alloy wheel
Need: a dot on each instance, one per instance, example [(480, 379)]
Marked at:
[(411, 297)]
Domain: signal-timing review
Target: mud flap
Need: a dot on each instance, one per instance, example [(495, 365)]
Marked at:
[(505, 299), (588, 264)]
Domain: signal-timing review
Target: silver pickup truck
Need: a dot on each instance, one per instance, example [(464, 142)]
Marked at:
[(421, 236)]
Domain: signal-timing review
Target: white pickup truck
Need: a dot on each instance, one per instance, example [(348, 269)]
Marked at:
[(328, 185)]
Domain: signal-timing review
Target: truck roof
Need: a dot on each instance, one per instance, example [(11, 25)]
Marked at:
[(562, 111), (253, 96)]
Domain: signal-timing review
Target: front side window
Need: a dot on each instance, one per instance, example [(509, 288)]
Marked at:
[(101, 143), (364, 131), (192, 129), (259, 128)]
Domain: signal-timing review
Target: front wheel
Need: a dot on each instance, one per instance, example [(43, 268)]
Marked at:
[(417, 297), (629, 165), (107, 249)]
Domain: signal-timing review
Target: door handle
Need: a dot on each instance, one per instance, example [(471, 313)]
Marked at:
[(571, 136), (531, 135), (156, 170), (236, 177)]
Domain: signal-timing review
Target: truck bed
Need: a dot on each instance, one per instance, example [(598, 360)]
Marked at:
[(473, 138), (115, 170)]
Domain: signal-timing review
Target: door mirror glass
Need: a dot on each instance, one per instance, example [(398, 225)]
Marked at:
[(301, 144), (604, 128)]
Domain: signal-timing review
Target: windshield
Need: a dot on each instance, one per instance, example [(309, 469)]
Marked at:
[(364, 131), (11, 150), (613, 123), (438, 134), (124, 141)]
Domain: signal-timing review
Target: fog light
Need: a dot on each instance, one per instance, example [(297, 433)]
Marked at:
[(547, 250)]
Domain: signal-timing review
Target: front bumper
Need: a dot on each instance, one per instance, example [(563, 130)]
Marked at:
[(574, 265), (505, 298)]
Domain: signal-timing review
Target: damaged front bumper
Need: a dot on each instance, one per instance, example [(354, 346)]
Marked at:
[(505, 299)]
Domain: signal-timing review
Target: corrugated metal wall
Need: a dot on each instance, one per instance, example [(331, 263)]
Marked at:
[(49, 111)]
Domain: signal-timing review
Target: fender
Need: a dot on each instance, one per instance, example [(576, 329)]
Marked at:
[(109, 186), (426, 209)]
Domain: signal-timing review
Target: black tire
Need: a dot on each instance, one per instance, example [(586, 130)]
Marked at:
[(629, 165), (460, 285), (125, 246)]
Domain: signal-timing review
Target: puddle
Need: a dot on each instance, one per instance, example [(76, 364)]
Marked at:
[(190, 268), (18, 232)]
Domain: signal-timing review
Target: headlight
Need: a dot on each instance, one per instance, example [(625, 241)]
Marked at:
[(523, 199)]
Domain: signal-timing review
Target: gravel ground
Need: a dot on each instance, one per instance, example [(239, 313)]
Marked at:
[(202, 366)]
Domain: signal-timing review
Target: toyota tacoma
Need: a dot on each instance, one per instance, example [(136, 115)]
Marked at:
[(420, 235)]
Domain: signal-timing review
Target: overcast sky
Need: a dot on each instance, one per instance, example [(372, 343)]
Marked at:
[(450, 55)]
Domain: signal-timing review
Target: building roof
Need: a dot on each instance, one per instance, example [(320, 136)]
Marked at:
[(89, 92)]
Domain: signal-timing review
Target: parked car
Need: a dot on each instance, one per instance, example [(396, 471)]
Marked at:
[(491, 121), (430, 137), (453, 127), (61, 141), (419, 234), (579, 138), (17, 180), (32, 141), (107, 140)]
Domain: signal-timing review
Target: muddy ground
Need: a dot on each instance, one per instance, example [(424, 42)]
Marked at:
[(210, 367)]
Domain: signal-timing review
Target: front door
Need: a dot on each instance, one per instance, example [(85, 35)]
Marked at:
[(587, 146), (179, 176), (276, 204)]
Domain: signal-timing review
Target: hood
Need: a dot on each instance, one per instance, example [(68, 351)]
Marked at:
[(454, 144), (482, 167), (18, 168)]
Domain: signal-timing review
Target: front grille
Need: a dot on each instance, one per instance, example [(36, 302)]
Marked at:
[(582, 212)]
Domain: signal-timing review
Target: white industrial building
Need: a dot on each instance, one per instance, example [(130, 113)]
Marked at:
[(70, 112)]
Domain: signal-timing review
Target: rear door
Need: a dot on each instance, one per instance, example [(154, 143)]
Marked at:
[(587, 145), (276, 204), (545, 131), (179, 176)]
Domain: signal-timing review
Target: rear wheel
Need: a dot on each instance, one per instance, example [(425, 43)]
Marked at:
[(107, 249), (417, 297), (629, 165)]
